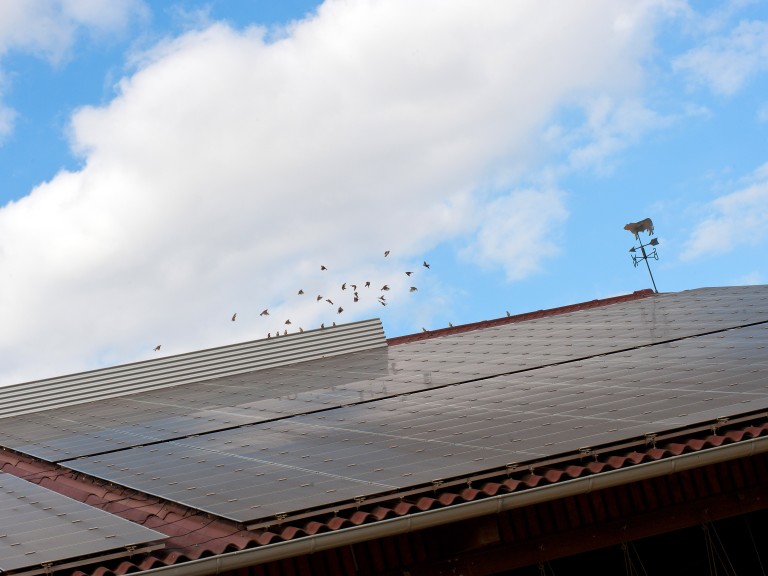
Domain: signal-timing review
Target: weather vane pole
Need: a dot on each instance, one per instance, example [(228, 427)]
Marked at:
[(643, 226)]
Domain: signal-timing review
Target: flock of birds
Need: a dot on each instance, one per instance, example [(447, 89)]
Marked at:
[(347, 287)]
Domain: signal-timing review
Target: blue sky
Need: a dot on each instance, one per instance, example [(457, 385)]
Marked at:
[(164, 165)]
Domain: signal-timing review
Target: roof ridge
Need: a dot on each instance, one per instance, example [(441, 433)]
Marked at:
[(525, 316)]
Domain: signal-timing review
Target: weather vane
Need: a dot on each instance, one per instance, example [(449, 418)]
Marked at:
[(643, 226)]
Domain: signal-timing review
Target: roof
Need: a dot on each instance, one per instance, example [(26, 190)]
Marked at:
[(239, 462)]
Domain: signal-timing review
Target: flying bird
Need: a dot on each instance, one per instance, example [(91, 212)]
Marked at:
[(157, 348), (385, 287), (367, 284), (408, 273), (301, 292), (323, 267), (319, 297), (269, 334), (382, 302), (287, 321), (353, 286), (329, 301), (234, 316), (386, 253), (264, 312), (340, 310), (356, 299), (344, 286), (426, 265), (413, 289)]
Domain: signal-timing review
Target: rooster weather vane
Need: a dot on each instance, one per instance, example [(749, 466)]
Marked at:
[(635, 228)]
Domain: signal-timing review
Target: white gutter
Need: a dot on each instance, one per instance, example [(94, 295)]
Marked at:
[(464, 511)]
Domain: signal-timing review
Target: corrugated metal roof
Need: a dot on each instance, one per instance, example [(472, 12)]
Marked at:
[(160, 373)]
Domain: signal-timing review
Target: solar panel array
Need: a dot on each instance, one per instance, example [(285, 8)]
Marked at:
[(242, 399), (39, 527), (251, 446)]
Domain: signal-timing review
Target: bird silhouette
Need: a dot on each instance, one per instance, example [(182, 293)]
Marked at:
[(340, 310), (264, 312), (413, 289), (157, 348), (301, 292), (385, 287), (367, 284), (234, 316), (287, 321), (301, 329), (344, 286), (329, 301), (322, 326), (269, 335), (424, 330), (353, 286), (450, 325), (285, 333), (382, 302), (386, 253), (426, 265), (408, 273), (323, 267), (319, 297), (382, 298)]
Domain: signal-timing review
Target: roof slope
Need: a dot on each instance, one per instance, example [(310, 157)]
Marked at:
[(242, 461)]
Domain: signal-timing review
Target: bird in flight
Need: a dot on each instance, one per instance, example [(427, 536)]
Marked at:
[(329, 301), (264, 312), (356, 299), (323, 267), (344, 286), (319, 297), (426, 264), (382, 302), (386, 253), (413, 289), (353, 286), (385, 287), (367, 284), (157, 348), (287, 321), (301, 292), (408, 273), (340, 310), (234, 316)]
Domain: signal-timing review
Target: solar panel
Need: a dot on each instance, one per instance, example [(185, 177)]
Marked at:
[(252, 473), (242, 399), (40, 527)]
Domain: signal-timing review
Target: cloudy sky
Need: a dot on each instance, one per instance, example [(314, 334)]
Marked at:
[(165, 165)]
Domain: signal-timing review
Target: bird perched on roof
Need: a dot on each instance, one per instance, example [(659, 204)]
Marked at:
[(386, 253), (323, 267), (269, 334), (301, 329), (408, 273), (424, 330), (157, 348), (382, 302), (322, 326), (426, 264), (508, 314), (450, 325), (382, 298), (413, 289), (264, 312), (340, 310), (301, 292), (285, 333), (234, 316)]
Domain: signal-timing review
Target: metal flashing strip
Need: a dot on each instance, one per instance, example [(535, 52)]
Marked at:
[(84, 387)]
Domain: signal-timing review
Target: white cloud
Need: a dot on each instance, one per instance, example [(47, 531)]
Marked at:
[(736, 219), (48, 29), (229, 167), (726, 63), (519, 232)]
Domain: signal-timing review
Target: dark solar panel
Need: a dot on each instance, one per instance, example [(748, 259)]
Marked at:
[(314, 460), (70, 432), (39, 527)]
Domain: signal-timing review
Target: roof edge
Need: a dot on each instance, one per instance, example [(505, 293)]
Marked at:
[(636, 295)]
